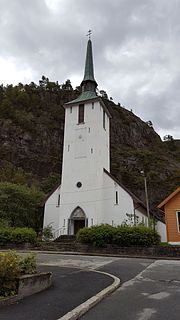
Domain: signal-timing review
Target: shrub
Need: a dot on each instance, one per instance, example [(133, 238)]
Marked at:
[(11, 267), (47, 233), (23, 235), (135, 236), (122, 235), (5, 236), (9, 271), (28, 264), (17, 235), (96, 235)]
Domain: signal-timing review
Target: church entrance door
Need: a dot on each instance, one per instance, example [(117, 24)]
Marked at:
[(77, 220), (78, 224)]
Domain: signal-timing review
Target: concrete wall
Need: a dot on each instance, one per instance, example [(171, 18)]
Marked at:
[(33, 283)]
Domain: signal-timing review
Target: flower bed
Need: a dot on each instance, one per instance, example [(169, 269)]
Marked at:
[(18, 277), (12, 266)]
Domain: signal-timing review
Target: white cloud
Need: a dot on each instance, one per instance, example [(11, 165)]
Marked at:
[(136, 50)]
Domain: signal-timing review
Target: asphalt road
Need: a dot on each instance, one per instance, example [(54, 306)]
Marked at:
[(150, 289), (153, 294), (71, 287)]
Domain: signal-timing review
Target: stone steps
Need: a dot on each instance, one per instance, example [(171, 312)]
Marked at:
[(65, 239)]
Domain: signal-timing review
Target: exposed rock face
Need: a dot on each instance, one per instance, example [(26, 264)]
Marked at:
[(35, 144)]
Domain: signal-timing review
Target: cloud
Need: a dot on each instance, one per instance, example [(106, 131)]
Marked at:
[(136, 50)]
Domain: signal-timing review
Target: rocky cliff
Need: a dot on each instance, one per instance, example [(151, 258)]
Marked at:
[(31, 140)]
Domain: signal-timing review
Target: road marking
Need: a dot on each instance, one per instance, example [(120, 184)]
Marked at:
[(159, 295), (146, 314)]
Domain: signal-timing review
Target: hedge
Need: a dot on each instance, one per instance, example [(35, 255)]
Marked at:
[(122, 235), (17, 236)]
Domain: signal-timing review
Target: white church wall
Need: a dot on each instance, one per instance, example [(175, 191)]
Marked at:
[(141, 213), (51, 210), (86, 147), (161, 229), (115, 213), (86, 151)]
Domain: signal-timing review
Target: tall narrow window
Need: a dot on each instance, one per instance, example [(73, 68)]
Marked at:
[(81, 113), (70, 109), (92, 105), (116, 200), (104, 120), (58, 203), (178, 220)]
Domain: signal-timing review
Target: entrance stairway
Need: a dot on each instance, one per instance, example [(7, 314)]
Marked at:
[(64, 243), (66, 239)]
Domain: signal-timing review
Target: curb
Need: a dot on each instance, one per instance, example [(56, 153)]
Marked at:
[(76, 253), (91, 302)]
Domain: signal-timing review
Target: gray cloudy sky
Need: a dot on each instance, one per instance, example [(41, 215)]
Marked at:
[(136, 45)]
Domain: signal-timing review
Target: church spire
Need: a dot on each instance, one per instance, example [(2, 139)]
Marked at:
[(89, 83)]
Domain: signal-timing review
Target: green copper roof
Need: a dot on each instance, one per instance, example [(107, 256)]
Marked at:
[(86, 95), (88, 84), (89, 69)]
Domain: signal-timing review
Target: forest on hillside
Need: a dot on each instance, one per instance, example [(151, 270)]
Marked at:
[(31, 141)]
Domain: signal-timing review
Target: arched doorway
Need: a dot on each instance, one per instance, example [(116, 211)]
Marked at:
[(77, 220)]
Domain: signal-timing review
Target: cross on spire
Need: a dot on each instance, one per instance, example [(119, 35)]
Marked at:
[(89, 34)]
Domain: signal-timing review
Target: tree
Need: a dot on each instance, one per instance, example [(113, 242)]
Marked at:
[(168, 137), (149, 123), (19, 205)]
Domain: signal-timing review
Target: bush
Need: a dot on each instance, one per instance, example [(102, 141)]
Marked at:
[(98, 236), (17, 235), (11, 267), (28, 264), (5, 236), (23, 235), (122, 235), (9, 271), (135, 236), (47, 233)]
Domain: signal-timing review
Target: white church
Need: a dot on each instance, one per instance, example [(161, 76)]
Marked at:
[(89, 195)]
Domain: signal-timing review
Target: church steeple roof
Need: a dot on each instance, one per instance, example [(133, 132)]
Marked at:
[(89, 68), (89, 83)]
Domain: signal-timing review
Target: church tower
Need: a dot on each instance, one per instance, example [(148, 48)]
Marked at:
[(89, 194), (85, 154)]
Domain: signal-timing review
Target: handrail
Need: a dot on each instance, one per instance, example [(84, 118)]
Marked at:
[(59, 232)]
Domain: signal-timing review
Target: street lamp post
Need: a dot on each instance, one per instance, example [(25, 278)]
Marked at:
[(146, 195)]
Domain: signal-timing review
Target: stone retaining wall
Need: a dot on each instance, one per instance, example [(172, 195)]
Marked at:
[(155, 251), (28, 285)]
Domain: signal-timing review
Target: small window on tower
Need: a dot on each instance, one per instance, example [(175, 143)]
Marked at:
[(58, 203), (81, 113), (92, 105), (70, 109), (104, 120), (117, 198)]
